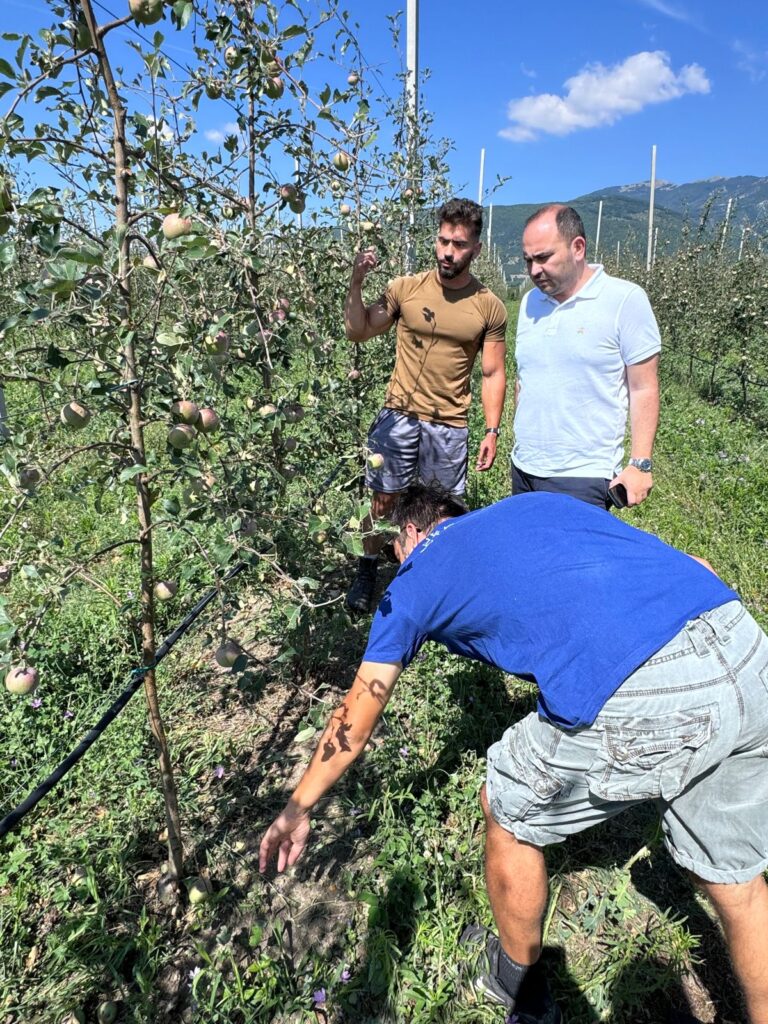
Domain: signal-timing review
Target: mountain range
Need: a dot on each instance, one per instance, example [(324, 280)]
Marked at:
[(624, 221)]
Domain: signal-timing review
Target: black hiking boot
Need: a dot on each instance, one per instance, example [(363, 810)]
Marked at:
[(360, 594), (485, 981)]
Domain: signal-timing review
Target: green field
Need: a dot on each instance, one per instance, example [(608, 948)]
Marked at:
[(372, 914)]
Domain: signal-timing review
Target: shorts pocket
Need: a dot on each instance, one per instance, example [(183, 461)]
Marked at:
[(648, 758), (521, 782)]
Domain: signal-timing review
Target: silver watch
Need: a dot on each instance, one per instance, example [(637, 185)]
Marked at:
[(644, 465)]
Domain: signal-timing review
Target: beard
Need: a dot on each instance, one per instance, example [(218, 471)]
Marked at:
[(449, 271)]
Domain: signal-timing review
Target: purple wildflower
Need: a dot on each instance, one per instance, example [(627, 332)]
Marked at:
[(219, 771), (345, 975), (319, 996), (36, 703), (403, 751), (69, 714)]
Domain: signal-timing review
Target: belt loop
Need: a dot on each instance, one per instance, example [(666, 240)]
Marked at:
[(700, 633)]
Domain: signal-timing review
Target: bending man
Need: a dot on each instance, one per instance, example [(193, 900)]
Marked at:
[(652, 691)]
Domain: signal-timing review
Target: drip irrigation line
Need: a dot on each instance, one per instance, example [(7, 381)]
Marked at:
[(137, 678)]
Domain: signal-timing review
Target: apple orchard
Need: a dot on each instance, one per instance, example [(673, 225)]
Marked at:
[(180, 396)]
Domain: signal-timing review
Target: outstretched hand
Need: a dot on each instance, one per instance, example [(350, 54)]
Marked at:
[(287, 835)]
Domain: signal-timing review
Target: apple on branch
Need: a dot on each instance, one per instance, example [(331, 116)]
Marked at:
[(21, 680)]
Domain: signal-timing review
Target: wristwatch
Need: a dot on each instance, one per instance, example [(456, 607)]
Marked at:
[(644, 465), (492, 430)]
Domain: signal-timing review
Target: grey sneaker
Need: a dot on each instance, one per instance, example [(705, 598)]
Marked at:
[(486, 982)]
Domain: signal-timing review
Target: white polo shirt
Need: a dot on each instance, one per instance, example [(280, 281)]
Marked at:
[(572, 357)]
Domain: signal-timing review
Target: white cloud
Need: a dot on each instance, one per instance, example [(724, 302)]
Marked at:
[(218, 135), (600, 95), (753, 63), (528, 72), (667, 9)]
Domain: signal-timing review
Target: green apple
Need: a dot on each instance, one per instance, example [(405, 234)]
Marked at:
[(107, 1012), (181, 436), (209, 421), (165, 590), (293, 412), (227, 653), (232, 57), (22, 679), (30, 477), (75, 415), (146, 12), (274, 88), (175, 226), (199, 890), (341, 161), (185, 411)]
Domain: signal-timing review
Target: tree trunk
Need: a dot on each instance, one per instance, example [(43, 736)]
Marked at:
[(135, 419)]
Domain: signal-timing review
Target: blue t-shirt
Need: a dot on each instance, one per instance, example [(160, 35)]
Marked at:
[(548, 588)]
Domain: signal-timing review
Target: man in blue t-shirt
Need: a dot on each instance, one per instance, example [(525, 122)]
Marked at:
[(652, 682)]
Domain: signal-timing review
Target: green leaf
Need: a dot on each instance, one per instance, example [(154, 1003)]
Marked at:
[(183, 11), (292, 31), (130, 472), (222, 553), (6, 69), (7, 254), (305, 734)]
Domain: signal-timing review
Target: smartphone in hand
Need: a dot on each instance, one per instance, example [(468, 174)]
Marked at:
[(618, 496)]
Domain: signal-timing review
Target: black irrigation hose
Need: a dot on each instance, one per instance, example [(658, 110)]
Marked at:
[(37, 794)]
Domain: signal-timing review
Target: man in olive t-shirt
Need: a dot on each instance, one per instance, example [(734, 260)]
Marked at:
[(444, 317)]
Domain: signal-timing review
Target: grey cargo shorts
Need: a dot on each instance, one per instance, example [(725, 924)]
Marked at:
[(415, 449), (688, 730)]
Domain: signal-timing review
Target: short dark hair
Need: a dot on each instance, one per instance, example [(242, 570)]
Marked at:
[(462, 211), (569, 223), (424, 505)]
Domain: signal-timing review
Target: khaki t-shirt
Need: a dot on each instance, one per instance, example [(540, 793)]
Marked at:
[(439, 333)]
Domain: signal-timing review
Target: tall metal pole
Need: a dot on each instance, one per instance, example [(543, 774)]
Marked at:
[(728, 209), (597, 234), (741, 243), (490, 229), (412, 109), (480, 182), (649, 255), (618, 255)]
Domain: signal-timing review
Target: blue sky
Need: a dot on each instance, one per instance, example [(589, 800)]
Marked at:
[(568, 98)]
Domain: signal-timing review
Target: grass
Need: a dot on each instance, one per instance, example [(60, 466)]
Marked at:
[(369, 920)]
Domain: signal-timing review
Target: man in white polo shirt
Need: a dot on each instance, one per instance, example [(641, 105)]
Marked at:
[(587, 352)]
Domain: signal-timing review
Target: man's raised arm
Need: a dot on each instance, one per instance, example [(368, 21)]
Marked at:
[(344, 738), (360, 321)]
